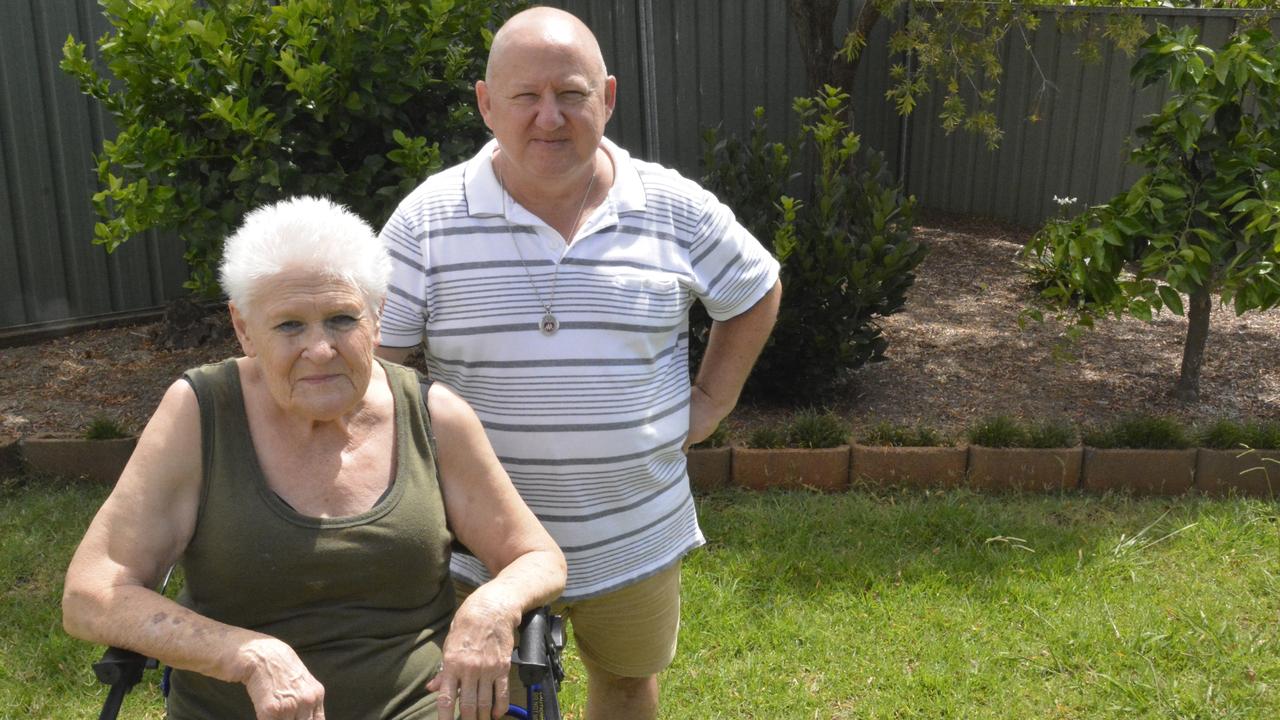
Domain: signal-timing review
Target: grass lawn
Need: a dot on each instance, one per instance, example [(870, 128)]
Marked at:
[(863, 605)]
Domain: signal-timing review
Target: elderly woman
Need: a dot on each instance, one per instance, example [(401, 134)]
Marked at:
[(312, 495)]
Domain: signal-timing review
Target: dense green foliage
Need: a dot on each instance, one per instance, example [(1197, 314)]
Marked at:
[(1205, 218), (223, 106), (843, 236)]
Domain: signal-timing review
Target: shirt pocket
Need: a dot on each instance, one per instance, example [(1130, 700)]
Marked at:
[(657, 296)]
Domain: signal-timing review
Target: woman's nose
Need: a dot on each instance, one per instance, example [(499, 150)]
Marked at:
[(319, 346)]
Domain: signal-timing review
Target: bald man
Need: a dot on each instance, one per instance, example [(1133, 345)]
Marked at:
[(549, 279)]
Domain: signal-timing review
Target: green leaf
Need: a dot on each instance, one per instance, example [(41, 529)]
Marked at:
[(1171, 299)]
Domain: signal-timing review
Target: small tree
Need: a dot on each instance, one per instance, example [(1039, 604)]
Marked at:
[(223, 105), (1205, 219), (843, 238), (956, 45)]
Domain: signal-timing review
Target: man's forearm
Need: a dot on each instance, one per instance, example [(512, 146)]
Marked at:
[(394, 354), (732, 350)]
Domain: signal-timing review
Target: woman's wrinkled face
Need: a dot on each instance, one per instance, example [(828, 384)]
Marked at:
[(312, 338)]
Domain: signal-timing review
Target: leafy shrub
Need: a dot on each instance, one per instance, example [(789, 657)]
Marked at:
[(1231, 435), (888, 434), (1139, 431), (224, 106), (844, 241), (104, 428)]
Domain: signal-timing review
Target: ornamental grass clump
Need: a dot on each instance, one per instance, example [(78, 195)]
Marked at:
[(887, 434), (104, 428), (999, 431), (817, 429), (1003, 431), (808, 429), (1139, 432), (1232, 435)]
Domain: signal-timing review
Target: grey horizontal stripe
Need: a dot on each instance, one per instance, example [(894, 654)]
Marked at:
[(558, 462), (648, 231), (483, 265), (585, 262), (588, 427), (532, 325), (501, 230), (617, 538), (411, 262), (612, 511), (564, 362), (398, 292)]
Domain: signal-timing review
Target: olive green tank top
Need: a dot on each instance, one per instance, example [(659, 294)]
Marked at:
[(365, 600)]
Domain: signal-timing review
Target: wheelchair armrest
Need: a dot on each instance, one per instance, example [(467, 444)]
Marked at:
[(121, 667), (537, 656)]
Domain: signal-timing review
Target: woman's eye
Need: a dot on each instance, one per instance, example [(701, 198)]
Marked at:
[(343, 321), (289, 326)]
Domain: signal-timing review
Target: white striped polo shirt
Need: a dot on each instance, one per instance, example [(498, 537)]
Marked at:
[(588, 422)]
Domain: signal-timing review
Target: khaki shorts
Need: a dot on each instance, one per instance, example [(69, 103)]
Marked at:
[(630, 632)]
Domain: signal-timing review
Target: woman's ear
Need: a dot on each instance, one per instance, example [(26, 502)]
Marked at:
[(242, 330)]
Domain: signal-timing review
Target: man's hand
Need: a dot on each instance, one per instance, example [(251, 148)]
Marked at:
[(279, 685), (704, 416), (732, 349)]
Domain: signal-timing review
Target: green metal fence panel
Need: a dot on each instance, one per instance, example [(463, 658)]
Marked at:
[(48, 133), (682, 66)]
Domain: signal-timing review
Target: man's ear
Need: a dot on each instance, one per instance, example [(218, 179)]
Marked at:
[(482, 102), (242, 331), (610, 96)]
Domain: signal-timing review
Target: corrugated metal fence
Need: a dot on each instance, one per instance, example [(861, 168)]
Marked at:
[(50, 272), (682, 66)]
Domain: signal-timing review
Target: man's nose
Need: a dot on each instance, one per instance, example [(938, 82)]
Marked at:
[(550, 116)]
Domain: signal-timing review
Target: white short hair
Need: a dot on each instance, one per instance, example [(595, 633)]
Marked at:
[(305, 234)]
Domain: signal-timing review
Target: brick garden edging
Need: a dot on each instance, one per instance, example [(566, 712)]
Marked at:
[(1143, 472), (1251, 473)]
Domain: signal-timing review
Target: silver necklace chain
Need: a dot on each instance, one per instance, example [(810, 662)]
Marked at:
[(549, 323)]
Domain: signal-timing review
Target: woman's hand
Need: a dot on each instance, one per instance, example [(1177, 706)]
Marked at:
[(477, 660), (279, 685)]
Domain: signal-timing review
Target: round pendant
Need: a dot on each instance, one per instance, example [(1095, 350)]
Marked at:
[(549, 324)]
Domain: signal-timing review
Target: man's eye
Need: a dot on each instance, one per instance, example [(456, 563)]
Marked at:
[(573, 96)]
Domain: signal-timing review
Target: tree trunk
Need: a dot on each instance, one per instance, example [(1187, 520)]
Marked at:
[(814, 21), (1188, 389)]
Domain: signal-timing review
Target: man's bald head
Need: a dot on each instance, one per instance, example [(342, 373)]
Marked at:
[(544, 26)]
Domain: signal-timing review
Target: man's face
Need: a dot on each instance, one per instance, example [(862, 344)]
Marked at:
[(547, 101)]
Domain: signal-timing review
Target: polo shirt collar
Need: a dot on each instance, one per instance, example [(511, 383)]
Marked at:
[(485, 196)]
